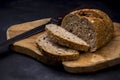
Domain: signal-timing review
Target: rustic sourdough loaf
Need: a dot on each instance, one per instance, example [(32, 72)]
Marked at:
[(92, 25), (54, 51), (61, 36)]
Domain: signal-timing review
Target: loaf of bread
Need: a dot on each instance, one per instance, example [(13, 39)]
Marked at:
[(54, 51), (62, 37), (92, 25)]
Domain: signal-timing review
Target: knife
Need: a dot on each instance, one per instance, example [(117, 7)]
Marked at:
[(5, 45)]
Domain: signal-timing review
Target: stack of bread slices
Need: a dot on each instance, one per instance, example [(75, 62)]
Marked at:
[(84, 30)]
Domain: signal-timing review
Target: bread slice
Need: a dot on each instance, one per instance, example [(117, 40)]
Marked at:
[(92, 25), (61, 36), (54, 51)]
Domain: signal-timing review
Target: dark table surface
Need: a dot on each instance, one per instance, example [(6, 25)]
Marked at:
[(14, 66)]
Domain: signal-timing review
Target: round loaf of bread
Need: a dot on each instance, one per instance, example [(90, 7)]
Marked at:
[(92, 25)]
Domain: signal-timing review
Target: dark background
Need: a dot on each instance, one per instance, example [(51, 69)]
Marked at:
[(14, 66)]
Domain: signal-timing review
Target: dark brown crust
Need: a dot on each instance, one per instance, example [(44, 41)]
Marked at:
[(102, 26), (64, 42)]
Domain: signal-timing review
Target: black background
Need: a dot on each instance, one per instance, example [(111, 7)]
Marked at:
[(14, 66)]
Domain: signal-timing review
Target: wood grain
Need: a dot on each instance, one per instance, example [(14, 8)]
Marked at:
[(88, 62)]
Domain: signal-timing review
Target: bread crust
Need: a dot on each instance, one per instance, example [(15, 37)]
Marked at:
[(101, 23)]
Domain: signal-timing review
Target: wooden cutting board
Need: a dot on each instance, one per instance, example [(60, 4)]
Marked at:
[(88, 62)]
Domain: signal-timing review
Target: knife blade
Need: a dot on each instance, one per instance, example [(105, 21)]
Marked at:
[(26, 34)]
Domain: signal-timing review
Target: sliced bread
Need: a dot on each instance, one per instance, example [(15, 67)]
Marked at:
[(92, 25), (54, 51), (61, 36)]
